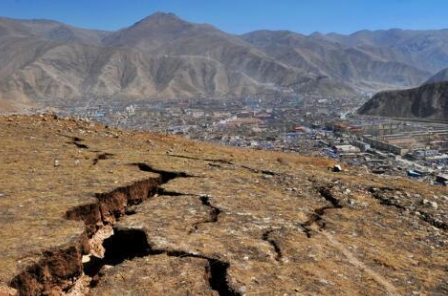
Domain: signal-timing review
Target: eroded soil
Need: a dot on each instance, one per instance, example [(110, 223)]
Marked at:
[(90, 210)]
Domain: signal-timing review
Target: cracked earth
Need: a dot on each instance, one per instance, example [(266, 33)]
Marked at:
[(90, 210)]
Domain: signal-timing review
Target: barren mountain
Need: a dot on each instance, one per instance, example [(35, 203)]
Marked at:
[(50, 30), (165, 57), (159, 29), (427, 50), (429, 101), (71, 74), (161, 57), (42, 67), (91, 210), (439, 77), (167, 34), (361, 67)]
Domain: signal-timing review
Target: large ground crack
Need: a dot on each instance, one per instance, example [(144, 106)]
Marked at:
[(127, 244), (58, 269)]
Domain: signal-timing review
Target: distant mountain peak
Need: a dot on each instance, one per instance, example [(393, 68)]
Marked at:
[(162, 14), (159, 16), (316, 34)]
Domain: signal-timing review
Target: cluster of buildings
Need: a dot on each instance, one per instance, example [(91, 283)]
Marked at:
[(311, 126), (416, 150)]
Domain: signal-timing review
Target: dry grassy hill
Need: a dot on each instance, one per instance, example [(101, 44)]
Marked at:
[(90, 210)]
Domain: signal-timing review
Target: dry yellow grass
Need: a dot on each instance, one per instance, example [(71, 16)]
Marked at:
[(273, 223)]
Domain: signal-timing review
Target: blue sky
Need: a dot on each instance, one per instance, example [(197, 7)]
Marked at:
[(240, 16)]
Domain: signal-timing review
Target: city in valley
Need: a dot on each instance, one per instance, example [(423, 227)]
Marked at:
[(306, 125)]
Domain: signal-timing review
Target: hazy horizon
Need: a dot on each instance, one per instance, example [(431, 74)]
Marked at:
[(322, 16), (259, 29)]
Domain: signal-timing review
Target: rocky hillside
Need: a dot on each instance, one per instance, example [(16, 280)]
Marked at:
[(165, 57), (429, 101), (49, 30), (439, 77), (427, 50), (47, 63), (73, 74), (363, 68), (90, 210)]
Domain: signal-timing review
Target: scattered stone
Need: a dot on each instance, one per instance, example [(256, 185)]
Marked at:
[(351, 201), (337, 168), (323, 281), (433, 205), (85, 259)]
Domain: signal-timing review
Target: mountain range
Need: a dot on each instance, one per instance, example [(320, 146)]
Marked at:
[(48, 63)]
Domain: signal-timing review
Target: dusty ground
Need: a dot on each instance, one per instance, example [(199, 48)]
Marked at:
[(89, 210)]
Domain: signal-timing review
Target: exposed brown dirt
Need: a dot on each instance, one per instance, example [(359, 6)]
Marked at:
[(160, 215)]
